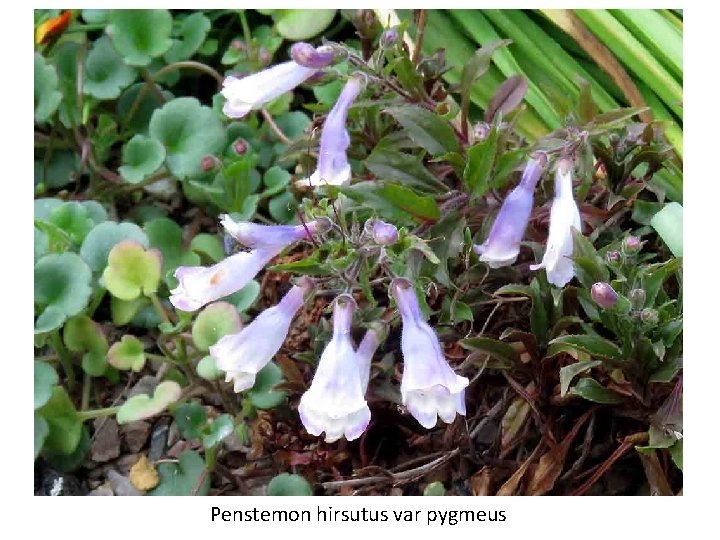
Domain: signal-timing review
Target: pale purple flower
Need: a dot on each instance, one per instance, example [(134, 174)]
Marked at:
[(254, 91), (255, 235), (384, 233), (429, 388), (243, 354), (308, 56), (200, 285), (366, 350), (604, 295), (333, 168), (503, 243), (335, 402), (564, 217)]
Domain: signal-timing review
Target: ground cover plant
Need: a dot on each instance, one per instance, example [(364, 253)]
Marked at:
[(296, 252)]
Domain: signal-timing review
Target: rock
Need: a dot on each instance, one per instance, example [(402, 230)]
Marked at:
[(53, 483), (146, 385), (121, 485), (106, 440), (135, 435), (103, 490), (123, 463), (158, 440)]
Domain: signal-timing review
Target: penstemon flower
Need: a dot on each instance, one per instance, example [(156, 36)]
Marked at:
[(243, 354), (308, 56), (564, 217), (333, 167), (200, 285), (503, 243), (365, 351), (254, 235), (429, 388), (384, 233), (335, 402), (253, 91)]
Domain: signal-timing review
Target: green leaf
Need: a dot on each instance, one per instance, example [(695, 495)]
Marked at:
[(590, 389), (426, 129), (127, 354), (60, 171), (143, 406), (208, 370), (275, 180), (282, 208), (568, 373), (141, 157), (262, 395), (676, 453), (141, 112), (215, 321), (65, 58), (476, 67), (309, 266), (140, 35), (406, 169), (507, 97), (98, 243), (191, 420), (189, 131), (47, 95), (668, 223), (193, 31), (480, 161), (181, 478), (434, 489), (299, 24), (289, 485), (589, 266), (221, 427), (123, 311), (42, 430), (404, 198), (82, 334), (593, 345), (62, 286), (72, 217), (132, 270), (45, 379), (208, 245), (504, 354), (63, 421), (106, 75)]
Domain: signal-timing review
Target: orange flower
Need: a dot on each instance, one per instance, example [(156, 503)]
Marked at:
[(52, 28)]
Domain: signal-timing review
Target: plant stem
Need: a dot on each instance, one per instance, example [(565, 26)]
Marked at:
[(422, 20), (97, 413), (65, 359), (87, 386), (159, 308)]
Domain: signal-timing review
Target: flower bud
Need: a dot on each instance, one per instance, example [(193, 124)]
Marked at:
[(604, 295), (264, 56), (384, 233), (389, 38), (649, 316), (308, 56), (208, 163), (631, 244), (637, 297), (237, 45), (240, 147), (613, 257)]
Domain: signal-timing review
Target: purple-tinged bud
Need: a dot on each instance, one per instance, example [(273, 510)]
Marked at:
[(613, 257), (631, 244), (649, 316), (384, 233), (429, 388), (208, 163), (389, 38), (237, 45), (308, 56), (604, 295), (503, 243), (240, 147), (264, 56), (481, 130), (637, 298)]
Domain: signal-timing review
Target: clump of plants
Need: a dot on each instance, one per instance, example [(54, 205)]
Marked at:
[(329, 262)]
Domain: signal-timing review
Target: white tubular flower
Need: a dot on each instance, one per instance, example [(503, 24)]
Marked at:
[(564, 217), (254, 235), (429, 388), (333, 168), (366, 350), (200, 285), (335, 402), (243, 354), (252, 92)]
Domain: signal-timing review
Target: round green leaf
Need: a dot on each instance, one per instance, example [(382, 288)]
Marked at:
[(82, 334), (73, 218), (182, 477), (213, 322), (62, 285), (189, 132), (132, 270), (262, 395), (96, 211), (141, 157), (166, 235), (282, 208), (123, 311), (41, 244), (245, 297), (106, 75), (434, 489), (141, 112), (98, 243), (275, 180), (60, 170), (289, 484), (41, 432), (127, 354), (207, 369), (221, 427), (140, 35), (190, 419), (193, 31), (208, 245), (64, 423), (45, 379), (47, 96), (298, 24), (95, 16), (65, 56), (144, 406)]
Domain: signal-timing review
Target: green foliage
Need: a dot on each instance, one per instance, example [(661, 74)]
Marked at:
[(62, 288), (142, 156), (287, 484), (140, 35), (182, 478), (143, 406)]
